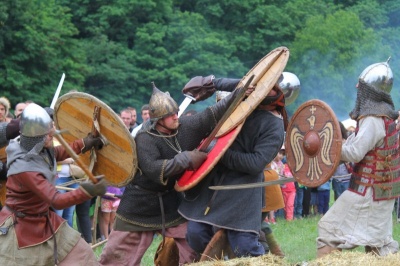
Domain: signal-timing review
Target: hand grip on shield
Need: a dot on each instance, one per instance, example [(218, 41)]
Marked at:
[(57, 135)]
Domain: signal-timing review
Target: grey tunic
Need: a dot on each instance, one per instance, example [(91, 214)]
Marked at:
[(256, 145)]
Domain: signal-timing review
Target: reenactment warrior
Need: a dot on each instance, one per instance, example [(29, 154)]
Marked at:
[(166, 147), (273, 198), (30, 233), (239, 213), (362, 215)]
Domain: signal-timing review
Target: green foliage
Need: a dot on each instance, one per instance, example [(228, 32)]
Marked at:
[(115, 49), (37, 46), (324, 54)]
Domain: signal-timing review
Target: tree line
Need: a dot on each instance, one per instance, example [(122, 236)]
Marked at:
[(114, 49)]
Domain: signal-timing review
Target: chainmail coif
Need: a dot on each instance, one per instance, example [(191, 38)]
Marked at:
[(372, 102), (28, 143)]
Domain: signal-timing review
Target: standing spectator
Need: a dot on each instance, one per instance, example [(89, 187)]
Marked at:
[(109, 206), (314, 201), (288, 192), (19, 108), (298, 201), (133, 122), (64, 176), (145, 113), (4, 109), (126, 117), (323, 196), (278, 165), (362, 215), (83, 220), (306, 201)]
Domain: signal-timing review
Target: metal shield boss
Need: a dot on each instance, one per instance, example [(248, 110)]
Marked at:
[(313, 143), (117, 160)]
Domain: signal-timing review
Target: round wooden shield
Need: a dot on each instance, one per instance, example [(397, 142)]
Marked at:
[(266, 74), (190, 179), (117, 160), (313, 143)]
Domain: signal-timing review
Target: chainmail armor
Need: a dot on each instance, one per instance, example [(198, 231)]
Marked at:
[(140, 203), (372, 102)]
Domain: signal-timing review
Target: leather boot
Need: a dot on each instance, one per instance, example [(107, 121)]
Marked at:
[(263, 242), (369, 249), (325, 250), (273, 245)]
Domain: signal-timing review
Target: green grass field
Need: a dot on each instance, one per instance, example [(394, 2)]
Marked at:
[(297, 240)]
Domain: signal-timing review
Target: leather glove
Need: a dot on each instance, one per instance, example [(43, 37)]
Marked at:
[(12, 129), (196, 158), (94, 190), (92, 142), (187, 160), (200, 87)]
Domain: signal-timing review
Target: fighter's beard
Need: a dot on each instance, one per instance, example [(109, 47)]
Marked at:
[(169, 130)]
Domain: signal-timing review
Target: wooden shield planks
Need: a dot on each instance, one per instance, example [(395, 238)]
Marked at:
[(267, 72), (191, 178), (313, 143), (117, 160)]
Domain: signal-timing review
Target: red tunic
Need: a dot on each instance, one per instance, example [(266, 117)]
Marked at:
[(30, 195)]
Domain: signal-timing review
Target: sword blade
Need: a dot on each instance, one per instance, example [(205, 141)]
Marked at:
[(53, 102), (253, 185), (185, 104)]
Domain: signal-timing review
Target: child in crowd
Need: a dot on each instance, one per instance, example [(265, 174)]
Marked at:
[(289, 194), (109, 206), (278, 165)]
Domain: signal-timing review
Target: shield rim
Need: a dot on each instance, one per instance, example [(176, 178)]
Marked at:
[(212, 159), (71, 136), (276, 58)]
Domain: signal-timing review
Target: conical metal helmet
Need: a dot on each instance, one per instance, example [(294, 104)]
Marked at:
[(379, 76), (161, 104), (35, 121), (290, 85)]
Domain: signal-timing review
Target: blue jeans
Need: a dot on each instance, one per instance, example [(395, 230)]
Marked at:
[(83, 220), (243, 244), (67, 213), (323, 201), (298, 202), (339, 187)]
